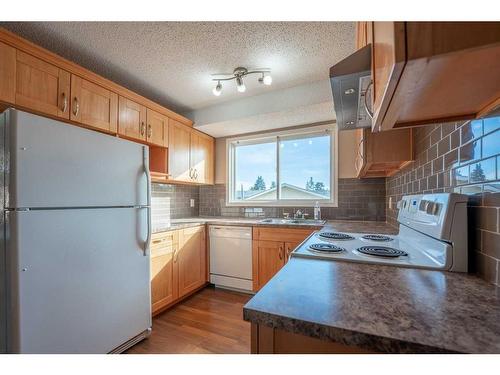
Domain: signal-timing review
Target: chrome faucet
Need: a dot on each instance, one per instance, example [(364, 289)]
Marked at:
[(298, 215)]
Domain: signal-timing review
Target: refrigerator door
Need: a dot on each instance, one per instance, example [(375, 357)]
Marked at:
[(78, 280), (53, 164)]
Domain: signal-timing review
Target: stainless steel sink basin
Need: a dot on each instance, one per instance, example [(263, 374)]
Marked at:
[(278, 221)]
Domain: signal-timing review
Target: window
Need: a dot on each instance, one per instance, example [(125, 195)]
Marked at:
[(283, 169)]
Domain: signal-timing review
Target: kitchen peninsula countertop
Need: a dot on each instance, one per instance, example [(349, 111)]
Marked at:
[(381, 308)]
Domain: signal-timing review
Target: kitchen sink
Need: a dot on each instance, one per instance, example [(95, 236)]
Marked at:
[(278, 221)]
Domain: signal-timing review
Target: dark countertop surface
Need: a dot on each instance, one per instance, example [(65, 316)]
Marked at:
[(381, 308)]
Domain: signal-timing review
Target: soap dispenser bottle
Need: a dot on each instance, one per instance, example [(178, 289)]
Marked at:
[(317, 211)]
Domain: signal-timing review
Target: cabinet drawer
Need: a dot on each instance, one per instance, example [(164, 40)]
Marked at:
[(281, 235), (164, 243)]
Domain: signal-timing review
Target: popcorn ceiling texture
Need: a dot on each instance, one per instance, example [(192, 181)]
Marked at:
[(172, 62), (463, 158)]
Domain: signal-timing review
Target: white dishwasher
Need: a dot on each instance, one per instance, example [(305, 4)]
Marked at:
[(231, 257)]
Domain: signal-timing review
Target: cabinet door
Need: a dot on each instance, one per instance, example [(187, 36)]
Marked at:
[(271, 258), (289, 247), (179, 141), (41, 86), (131, 119), (93, 105), (388, 60), (157, 129), (164, 278), (191, 259), (7, 73), (202, 158)]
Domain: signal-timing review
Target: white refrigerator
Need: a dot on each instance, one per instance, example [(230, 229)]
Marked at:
[(74, 242)]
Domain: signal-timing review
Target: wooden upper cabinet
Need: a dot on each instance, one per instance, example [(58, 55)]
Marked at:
[(131, 119), (93, 105), (431, 72), (157, 128), (382, 154), (41, 86), (191, 259), (388, 60), (179, 143), (7, 73), (202, 158)]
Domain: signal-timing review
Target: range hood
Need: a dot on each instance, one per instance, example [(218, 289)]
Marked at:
[(350, 79)]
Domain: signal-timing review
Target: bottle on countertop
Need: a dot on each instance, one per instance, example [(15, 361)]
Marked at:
[(317, 211)]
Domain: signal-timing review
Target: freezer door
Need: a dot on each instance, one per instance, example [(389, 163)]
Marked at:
[(53, 164), (78, 280)]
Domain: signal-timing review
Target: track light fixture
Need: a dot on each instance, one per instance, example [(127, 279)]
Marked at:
[(238, 75)]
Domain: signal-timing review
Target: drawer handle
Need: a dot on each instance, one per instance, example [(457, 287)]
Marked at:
[(150, 131), (280, 252), (143, 128)]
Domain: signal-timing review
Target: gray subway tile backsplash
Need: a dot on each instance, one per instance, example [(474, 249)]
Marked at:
[(358, 200), (469, 166)]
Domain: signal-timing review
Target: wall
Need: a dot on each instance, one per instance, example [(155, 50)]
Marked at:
[(358, 200), (347, 156), (172, 202), (464, 158)]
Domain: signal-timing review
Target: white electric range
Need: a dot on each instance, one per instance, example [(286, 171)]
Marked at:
[(432, 235)]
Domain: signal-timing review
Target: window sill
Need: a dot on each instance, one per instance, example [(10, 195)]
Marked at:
[(282, 204)]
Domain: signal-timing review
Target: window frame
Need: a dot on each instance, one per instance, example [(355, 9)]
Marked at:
[(331, 128)]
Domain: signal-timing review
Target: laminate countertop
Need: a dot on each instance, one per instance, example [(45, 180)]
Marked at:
[(381, 308), (338, 225)]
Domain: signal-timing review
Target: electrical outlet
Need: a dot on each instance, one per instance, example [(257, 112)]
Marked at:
[(191, 202)]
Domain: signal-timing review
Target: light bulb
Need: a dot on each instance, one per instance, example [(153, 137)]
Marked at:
[(240, 85), (217, 90), (268, 80)]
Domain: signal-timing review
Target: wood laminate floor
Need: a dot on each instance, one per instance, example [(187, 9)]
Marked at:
[(210, 321)]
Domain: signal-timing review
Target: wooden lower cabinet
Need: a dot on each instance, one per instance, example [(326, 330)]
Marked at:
[(289, 247), (192, 259), (271, 258), (271, 248), (267, 340), (164, 273), (178, 266)]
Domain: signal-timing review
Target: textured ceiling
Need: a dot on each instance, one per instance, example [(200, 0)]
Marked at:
[(171, 62)]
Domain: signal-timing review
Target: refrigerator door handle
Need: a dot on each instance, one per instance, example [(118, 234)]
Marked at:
[(145, 155)]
